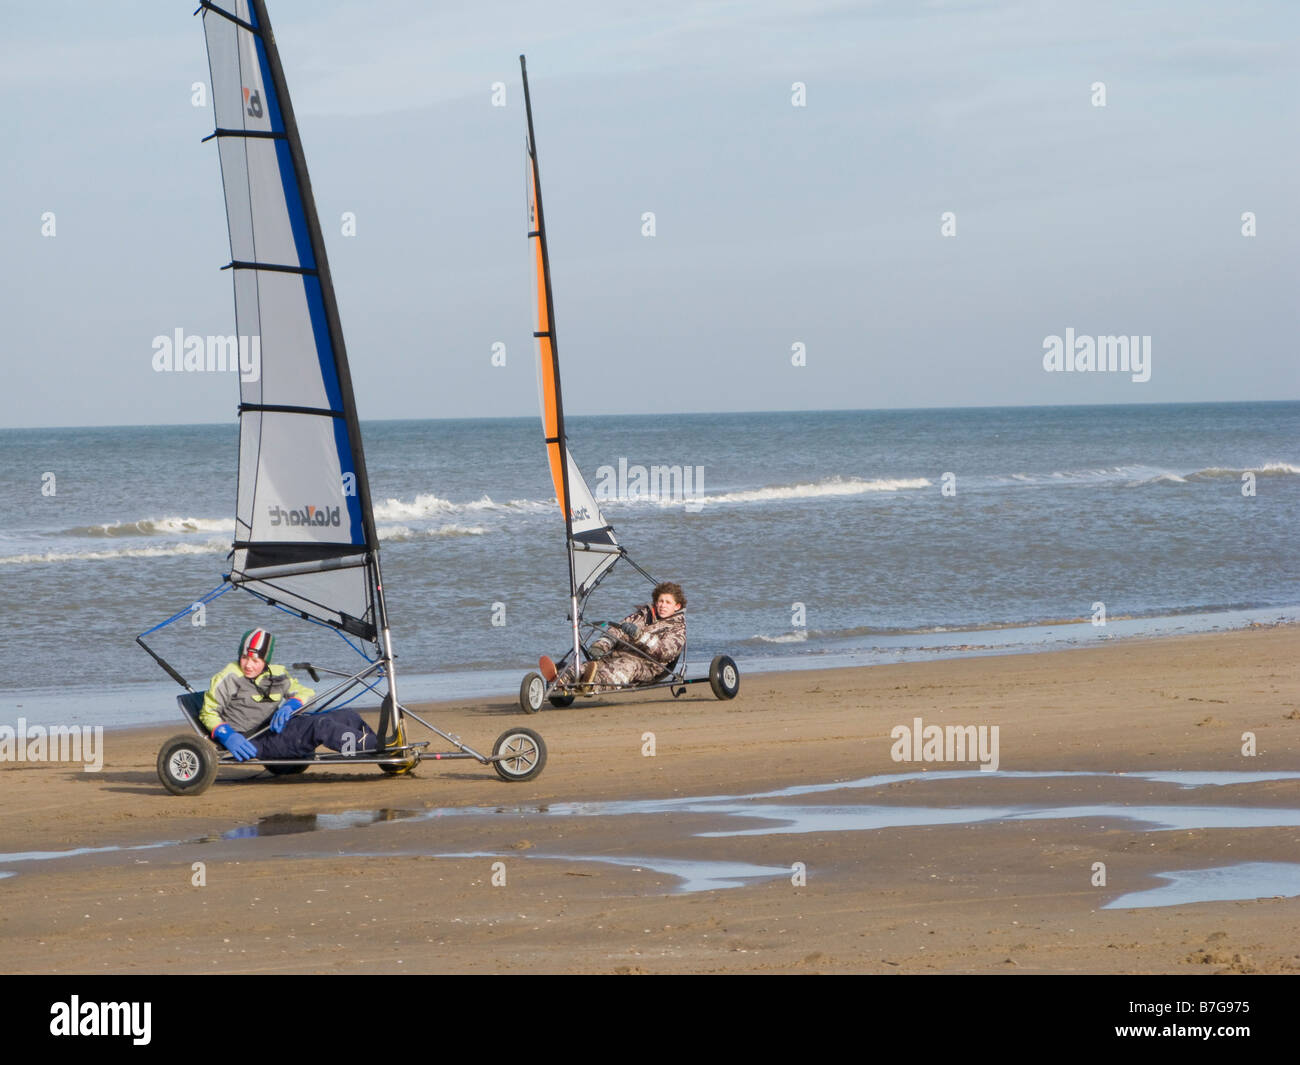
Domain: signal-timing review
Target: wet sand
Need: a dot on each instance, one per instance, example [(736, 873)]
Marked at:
[(568, 873)]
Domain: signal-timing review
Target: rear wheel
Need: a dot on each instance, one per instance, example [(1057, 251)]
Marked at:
[(187, 765), (532, 692), (561, 701), (724, 677), (522, 754)]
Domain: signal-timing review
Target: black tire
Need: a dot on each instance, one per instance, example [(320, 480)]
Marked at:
[(286, 770), (724, 677), (560, 701), (187, 765), (532, 692), (525, 754)]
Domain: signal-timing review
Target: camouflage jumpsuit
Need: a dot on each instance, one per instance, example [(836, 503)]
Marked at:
[(661, 639)]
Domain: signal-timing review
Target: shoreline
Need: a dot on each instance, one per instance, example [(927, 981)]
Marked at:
[(67, 707), (941, 872)]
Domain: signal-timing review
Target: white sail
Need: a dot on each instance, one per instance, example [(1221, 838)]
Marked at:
[(304, 531)]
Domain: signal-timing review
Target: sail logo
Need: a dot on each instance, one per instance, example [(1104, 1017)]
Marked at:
[(182, 353), (254, 101), (579, 514), (315, 516), (661, 484), (1109, 354)]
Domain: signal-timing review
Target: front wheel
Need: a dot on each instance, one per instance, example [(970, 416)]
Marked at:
[(724, 677), (286, 770), (531, 693), (187, 765), (560, 701), (520, 754)]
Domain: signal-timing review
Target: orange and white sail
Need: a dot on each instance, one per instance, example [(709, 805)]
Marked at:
[(592, 546)]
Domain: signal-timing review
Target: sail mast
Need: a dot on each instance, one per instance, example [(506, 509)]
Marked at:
[(589, 538), (552, 399)]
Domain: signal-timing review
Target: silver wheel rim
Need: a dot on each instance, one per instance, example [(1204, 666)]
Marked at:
[(536, 691), (518, 755), (183, 765), (729, 677)]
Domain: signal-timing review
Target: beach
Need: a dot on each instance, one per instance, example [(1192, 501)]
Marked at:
[(1111, 769)]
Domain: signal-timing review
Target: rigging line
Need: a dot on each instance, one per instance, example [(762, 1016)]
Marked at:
[(207, 597), (352, 699)]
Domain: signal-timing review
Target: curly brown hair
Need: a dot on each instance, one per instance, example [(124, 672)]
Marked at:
[(669, 588)]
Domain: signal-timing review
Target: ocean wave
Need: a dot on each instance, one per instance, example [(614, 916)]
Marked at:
[(1216, 473), (429, 505), (399, 534), (794, 636), (152, 527), (829, 486), (1134, 476), (212, 547), (1268, 469)]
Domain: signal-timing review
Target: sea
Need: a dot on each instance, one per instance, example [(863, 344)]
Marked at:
[(802, 540)]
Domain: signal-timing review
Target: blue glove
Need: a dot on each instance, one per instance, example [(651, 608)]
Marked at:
[(235, 742), (283, 714)]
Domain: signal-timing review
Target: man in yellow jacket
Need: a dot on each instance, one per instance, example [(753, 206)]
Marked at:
[(252, 693)]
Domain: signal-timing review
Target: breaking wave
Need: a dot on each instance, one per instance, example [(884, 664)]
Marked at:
[(152, 527), (829, 486), (212, 547), (429, 505), (1131, 476), (793, 636), (399, 534)]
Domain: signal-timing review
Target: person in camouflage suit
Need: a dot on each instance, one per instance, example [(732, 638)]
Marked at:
[(658, 629)]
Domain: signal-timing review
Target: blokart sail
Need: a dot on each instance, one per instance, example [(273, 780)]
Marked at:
[(304, 528), (305, 537), (593, 549)]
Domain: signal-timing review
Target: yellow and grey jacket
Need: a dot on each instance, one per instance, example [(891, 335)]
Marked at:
[(246, 704)]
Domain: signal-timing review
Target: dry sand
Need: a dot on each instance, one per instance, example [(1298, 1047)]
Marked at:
[(1002, 896)]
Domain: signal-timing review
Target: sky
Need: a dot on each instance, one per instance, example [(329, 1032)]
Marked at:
[(799, 160)]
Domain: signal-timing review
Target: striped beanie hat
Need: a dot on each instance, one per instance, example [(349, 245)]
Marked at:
[(258, 642)]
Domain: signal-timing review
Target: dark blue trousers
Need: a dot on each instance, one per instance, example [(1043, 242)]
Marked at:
[(339, 730)]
